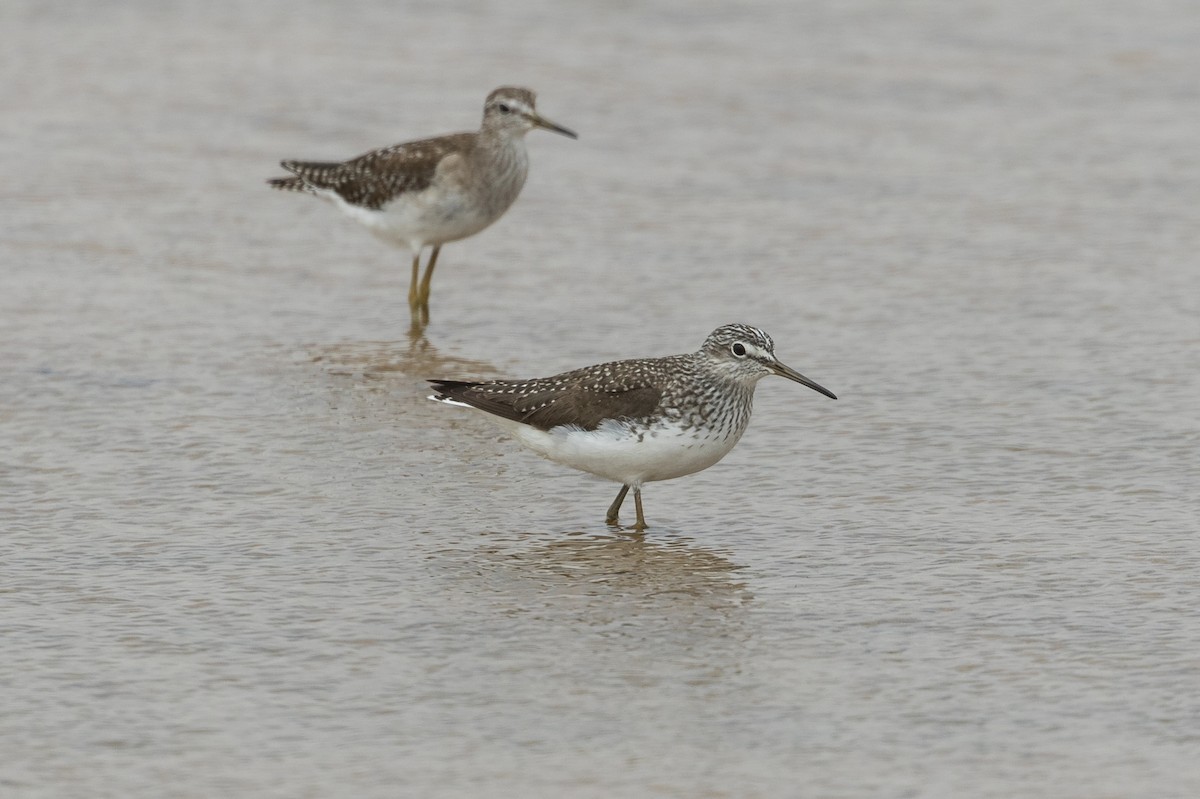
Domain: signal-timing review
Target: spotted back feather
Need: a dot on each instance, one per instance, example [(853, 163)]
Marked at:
[(621, 390), (373, 179)]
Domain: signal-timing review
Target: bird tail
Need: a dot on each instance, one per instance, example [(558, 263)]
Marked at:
[(451, 391), (291, 183), (310, 175)]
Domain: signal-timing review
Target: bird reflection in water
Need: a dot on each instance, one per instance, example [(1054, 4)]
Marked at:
[(418, 357), (629, 564)]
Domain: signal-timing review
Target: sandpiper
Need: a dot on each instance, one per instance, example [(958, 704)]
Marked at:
[(432, 191), (640, 420)]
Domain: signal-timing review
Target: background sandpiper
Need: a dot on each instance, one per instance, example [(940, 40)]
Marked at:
[(432, 191)]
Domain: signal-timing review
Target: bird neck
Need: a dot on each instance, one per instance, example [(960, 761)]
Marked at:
[(500, 162), (710, 397)]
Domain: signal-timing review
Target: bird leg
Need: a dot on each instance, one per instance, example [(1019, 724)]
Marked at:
[(414, 298), (425, 281), (637, 501), (615, 508)]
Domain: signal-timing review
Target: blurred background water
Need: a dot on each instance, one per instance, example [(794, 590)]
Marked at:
[(242, 554)]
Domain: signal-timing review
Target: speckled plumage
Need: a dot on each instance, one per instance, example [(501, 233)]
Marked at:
[(636, 421), (374, 179), (432, 191)]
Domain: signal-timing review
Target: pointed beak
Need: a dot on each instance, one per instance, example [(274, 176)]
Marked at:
[(542, 122), (791, 374)]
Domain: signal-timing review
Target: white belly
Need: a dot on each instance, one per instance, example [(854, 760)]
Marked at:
[(613, 452), (463, 198), (421, 218)]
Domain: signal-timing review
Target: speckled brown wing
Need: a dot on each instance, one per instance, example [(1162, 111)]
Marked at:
[(585, 397), (373, 179)]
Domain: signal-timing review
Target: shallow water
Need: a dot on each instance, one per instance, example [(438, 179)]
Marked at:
[(244, 555)]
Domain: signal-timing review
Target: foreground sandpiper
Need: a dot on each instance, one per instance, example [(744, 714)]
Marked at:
[(640, 420), (432, 191)]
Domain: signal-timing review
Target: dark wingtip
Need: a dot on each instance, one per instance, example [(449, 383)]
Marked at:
[(289, 183), (446, 389)]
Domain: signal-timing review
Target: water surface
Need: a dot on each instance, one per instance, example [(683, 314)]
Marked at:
[(243, 555)]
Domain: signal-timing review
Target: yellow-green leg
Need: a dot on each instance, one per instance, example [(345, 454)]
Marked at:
[(414, 297), (423, 295), (637, 501), (615, 508)]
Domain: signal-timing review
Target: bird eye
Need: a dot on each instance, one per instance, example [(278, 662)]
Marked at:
[(739, 350), (504, 109)]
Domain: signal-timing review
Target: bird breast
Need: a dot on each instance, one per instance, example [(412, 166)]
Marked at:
[(496, 174)]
